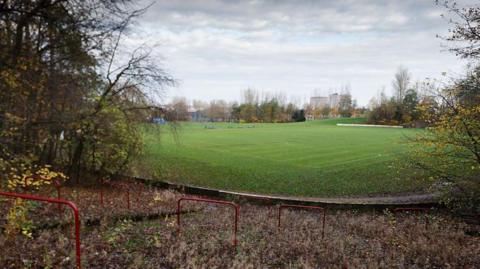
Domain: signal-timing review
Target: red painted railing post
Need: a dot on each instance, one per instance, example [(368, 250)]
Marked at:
[(237, 209), (101, 191), (235, 206), (55, 201), (302, 207), (323, 226), (128, 199), (179, 208), (126, 188), (77, 235), (279, 216), (101, 196), (139, 192)]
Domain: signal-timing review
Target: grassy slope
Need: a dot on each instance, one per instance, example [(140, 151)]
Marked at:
[(303, 159)]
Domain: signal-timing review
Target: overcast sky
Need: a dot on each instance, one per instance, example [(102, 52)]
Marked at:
[(217, 48)]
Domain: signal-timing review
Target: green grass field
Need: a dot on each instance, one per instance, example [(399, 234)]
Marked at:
[(314, 158)]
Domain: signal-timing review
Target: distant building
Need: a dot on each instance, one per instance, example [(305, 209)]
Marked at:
[(159, 120), (334, 100), (319, 102), (195, 115)]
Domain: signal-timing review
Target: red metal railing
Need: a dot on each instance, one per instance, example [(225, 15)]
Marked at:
[(55, 201), (302, 207), (122, 186), (235, 206)]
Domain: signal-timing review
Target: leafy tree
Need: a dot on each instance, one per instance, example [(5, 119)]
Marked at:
[(448, 152), (236, 109), (383, 110), (410, 102), (62, 83), (401, 108), (299, 115)]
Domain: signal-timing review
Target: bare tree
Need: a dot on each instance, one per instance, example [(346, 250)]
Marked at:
[(250, 96), (179, 109), (400, 83)]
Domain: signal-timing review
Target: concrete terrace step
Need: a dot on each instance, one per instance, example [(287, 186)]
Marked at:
[(383, 200), (334, 202)]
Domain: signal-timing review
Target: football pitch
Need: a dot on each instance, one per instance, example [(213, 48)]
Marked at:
[(315, 158)]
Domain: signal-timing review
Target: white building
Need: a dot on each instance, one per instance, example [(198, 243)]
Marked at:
[(334, 100), (319, 102)]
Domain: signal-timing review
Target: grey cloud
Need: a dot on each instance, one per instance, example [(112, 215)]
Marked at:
[(318, 16), (218, 47)]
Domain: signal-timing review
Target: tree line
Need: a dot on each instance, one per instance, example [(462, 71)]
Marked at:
[(255, 107), (403, 107)]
